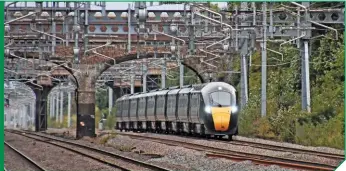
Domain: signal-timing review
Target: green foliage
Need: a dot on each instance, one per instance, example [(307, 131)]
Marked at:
[(173, 77), (110, 123), (285, 121), (101, 98), (53, 124), (214, 7), (106, 138), (111, 119), (98, 114)]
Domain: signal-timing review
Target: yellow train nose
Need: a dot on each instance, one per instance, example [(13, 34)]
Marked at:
[(221, 117)]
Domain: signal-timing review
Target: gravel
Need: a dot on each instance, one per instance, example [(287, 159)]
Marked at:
[(14, 161), (253, 150), (284, 144), (179, 158), (186, 158), (125, 149), (111, 159), (171, 157), (258, 140), (52, 157)]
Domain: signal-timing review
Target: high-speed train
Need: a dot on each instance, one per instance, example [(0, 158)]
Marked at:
[(208, 109)]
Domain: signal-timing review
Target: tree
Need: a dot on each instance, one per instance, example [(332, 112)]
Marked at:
[(284, 114), (102, 99)]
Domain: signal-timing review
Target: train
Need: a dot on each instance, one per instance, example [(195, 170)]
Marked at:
[(208, 110)]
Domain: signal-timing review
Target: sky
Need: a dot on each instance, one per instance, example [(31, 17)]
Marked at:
[(124, 5)]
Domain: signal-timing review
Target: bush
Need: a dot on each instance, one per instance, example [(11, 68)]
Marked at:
[(53, 124), (284, 120), (110, 123)]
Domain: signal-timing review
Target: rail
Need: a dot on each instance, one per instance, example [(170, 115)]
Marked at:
[(238, 155), (50, 140), (25, 157)]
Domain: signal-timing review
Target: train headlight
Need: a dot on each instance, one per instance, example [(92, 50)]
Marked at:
[(234, 109), (207, 109)]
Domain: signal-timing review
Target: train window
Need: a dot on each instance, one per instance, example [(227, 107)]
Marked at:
[(150, 107), (194, 105), (119, 108), (171, 104), (125, 107), (141, 107), (168, 104), (160, 101), (194, 101), (150, 104), (220, 98), (133, 107), (182, 102)]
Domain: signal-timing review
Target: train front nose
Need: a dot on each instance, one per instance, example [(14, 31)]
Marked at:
[(221, 118)]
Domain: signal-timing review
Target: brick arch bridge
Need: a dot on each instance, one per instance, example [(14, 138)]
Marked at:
[(91, 66)]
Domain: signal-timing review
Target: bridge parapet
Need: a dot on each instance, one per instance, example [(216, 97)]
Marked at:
[(118, 54)]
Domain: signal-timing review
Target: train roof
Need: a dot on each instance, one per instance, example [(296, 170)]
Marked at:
[(133, 96), (174, 91), (185, 90), (141, 95), (150, 94), (122, 97), (180, 90), (217, 86), (162, 92)]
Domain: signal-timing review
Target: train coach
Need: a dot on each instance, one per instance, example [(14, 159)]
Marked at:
[(205, 109)]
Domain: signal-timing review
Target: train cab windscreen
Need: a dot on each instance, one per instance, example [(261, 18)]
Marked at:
[(220, 99)]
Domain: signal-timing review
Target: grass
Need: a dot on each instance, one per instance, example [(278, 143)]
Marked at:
[(106, 138)]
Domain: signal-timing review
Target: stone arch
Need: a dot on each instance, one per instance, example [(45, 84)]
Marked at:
[(20, 111), (55, 100)]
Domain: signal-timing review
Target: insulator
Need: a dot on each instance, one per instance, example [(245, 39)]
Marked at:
[(151, 15), (173, 27), (177, 15), (45, 14), (98, 15), (7, 27), (7, 52), (76, 28), (164, 15), (225, 47), (111, 15), (17, 14), (58, 15), (75, 51), (124, 15), (173, 48)]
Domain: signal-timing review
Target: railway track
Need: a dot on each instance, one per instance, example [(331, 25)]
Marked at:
[(288, 149), (32, 162), (278, 148), (111, 159), (239, 156)]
